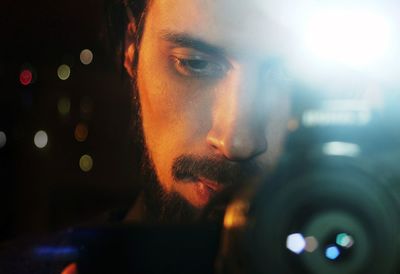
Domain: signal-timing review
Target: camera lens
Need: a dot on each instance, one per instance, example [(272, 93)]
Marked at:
[(327, 245), (334, 218)]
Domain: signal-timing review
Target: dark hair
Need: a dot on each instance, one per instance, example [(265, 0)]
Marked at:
[(119, 13)]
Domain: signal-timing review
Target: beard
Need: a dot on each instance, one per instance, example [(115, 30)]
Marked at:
[(170, 207), (160, 206)]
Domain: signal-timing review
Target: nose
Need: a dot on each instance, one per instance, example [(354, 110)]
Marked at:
[(238, 127)]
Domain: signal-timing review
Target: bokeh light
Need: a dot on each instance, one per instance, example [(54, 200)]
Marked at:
[(344, 240), (55, 251), (3, 139), (86, 56), (64, 105), (63, 72), (26, 77), (295, 243), (86, 163), (341, 149), (311, 244), (40, 139), (81, 132), (332, 253)]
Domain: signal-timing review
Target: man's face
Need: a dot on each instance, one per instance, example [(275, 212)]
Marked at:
[(213, 100)]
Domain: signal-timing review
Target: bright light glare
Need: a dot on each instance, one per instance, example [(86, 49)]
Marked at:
[(341, 149), (348, 36), (296, 243)]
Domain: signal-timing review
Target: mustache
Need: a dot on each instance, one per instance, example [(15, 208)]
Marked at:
[(189, 167)]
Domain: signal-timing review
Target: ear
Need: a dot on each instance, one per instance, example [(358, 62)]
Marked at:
[(130, 48)]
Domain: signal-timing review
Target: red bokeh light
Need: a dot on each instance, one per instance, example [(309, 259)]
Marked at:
[(25, 77)]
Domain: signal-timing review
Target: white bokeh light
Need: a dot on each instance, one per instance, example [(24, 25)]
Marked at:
[(40, 139), (296, 243)]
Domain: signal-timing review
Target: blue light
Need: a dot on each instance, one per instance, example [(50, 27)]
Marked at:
[(332, 253), (45, 251)]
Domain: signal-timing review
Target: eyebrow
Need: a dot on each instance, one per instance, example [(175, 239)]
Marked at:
[(188, 41)]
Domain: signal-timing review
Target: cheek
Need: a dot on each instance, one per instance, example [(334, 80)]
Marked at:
[(170, 117), (160, 128), (174, 120)]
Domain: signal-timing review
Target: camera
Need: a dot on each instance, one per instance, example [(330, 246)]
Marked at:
[(333, 204)]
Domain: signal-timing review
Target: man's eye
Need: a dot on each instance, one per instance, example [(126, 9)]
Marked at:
[(199, 67)]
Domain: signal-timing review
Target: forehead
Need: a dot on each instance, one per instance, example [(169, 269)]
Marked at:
[(237, 26)]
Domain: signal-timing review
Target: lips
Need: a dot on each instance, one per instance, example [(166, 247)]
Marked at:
[(214, 186), (205, 190)]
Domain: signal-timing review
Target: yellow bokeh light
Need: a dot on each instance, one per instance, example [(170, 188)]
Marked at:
[(81, 132), (63, 72), (64, 105), (86, 163), (236, 214)]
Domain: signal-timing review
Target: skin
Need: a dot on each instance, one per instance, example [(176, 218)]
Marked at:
[(229, 105)]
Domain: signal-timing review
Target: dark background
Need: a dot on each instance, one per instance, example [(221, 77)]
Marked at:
[(44, 190)]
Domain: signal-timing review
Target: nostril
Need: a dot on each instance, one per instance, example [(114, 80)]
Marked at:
[(214, 141)]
